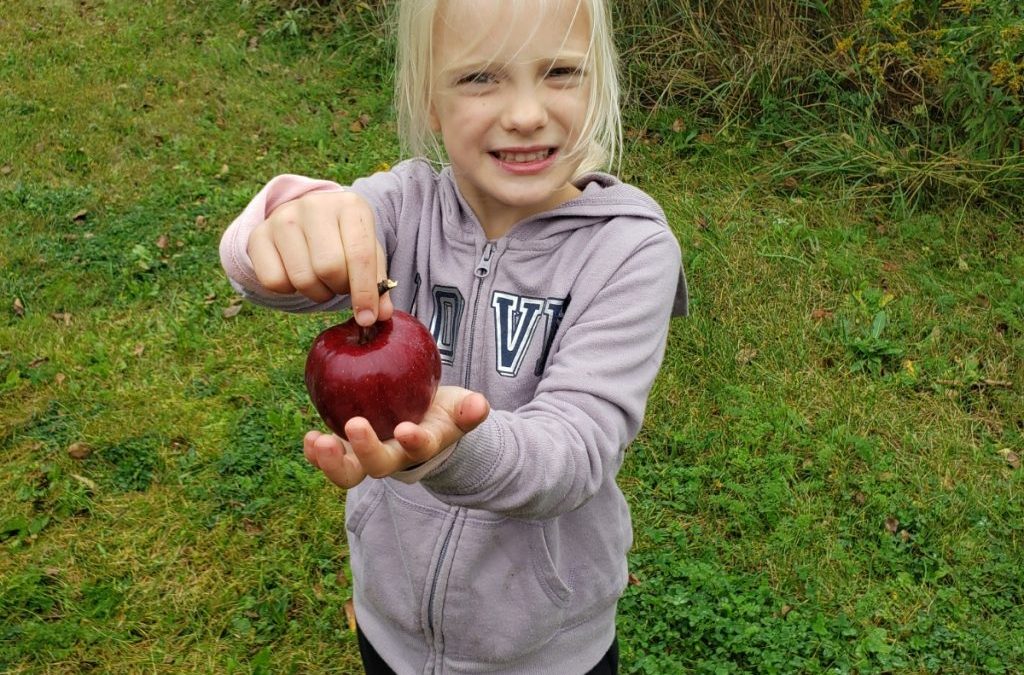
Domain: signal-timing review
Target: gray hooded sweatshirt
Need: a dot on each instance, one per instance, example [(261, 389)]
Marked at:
[(506, 553)]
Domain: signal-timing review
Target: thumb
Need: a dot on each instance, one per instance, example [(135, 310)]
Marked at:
[(471, 411)]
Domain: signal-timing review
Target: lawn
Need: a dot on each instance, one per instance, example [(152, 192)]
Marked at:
[(828, 479)]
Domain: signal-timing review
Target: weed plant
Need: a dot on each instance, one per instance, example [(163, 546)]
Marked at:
[(828, 479), (911, 100)]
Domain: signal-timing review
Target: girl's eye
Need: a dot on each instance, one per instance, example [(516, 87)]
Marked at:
[(565, 72), (477, 78)]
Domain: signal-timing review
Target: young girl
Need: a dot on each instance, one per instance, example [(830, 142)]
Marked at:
[(492, 536)]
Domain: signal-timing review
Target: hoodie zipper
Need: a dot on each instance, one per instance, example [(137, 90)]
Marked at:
[(482, 271), (437, 575)]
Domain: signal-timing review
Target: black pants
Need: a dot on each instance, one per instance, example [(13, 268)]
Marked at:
[(373, 664)]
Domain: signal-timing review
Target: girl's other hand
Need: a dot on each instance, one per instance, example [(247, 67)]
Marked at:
[(322, 245), (454, 413)]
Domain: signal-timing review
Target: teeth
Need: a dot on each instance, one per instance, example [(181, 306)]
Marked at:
[(523, 156)]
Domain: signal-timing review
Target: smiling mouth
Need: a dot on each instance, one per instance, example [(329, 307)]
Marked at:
[(523, 157)]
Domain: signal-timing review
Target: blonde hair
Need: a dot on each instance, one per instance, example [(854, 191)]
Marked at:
[(601, 136)]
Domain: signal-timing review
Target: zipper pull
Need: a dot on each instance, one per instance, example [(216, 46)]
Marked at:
[(483, 268)]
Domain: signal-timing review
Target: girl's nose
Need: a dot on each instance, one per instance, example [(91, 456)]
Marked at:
[(525, 110)]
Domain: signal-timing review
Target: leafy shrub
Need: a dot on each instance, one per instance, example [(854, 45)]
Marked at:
[(727, 61), (908, 99), (949, 74), (928, 98)]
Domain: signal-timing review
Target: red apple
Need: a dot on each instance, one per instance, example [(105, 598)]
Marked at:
[(387, 373)]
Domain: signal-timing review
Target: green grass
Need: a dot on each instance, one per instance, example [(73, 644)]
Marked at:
[(816, 488)]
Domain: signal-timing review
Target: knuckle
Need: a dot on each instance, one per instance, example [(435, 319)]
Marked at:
[(285, 215), (327, 267), (350, 200), (305, 281), (362, 299), (287, 226), (274, 281)]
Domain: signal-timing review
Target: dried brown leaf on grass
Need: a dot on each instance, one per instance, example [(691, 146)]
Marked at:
[(746, 355), (820, 314), (234, 308), (79, 450), (360, 123)]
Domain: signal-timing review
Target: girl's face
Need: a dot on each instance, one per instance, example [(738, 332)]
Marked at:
[(510, 99)]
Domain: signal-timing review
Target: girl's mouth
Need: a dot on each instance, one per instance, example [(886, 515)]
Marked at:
[(523, 157), (525, 162)]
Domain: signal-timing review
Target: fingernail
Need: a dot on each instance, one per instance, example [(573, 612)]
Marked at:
[(364, 317)]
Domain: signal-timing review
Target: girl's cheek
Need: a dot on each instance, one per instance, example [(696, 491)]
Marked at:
[(569, 106)]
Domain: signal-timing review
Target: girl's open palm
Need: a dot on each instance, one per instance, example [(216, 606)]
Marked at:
[(454, 412)]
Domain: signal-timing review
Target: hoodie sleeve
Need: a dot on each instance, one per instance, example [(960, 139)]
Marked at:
[(554, 453)]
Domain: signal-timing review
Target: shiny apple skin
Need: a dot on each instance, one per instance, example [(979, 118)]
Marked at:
[(390, 378)]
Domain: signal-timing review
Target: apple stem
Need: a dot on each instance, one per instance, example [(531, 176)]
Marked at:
[(366, 333)]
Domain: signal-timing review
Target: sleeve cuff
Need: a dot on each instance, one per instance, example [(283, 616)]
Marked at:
[(416, 473), (471, 463)]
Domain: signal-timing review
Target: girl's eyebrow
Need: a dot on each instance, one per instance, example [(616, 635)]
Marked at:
[(566, 56), (492, 64), (468, 67)]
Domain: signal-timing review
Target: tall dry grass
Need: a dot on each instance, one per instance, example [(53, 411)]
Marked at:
[(931, 92), (723, 58)]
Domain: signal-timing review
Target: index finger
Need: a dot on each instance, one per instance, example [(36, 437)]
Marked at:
[(359, 240), (330, 454)]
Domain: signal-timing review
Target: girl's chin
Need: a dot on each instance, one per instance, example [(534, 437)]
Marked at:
[(527, 193), (535, 201)]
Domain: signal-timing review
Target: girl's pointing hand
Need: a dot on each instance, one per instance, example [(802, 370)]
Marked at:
[(322, 245)]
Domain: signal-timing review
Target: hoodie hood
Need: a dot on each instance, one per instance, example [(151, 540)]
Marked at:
[(602, 198)]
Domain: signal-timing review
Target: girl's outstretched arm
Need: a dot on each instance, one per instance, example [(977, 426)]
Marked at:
[(552, 454)]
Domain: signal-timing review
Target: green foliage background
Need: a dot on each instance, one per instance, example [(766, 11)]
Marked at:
[(829, 475), (915, 102)]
